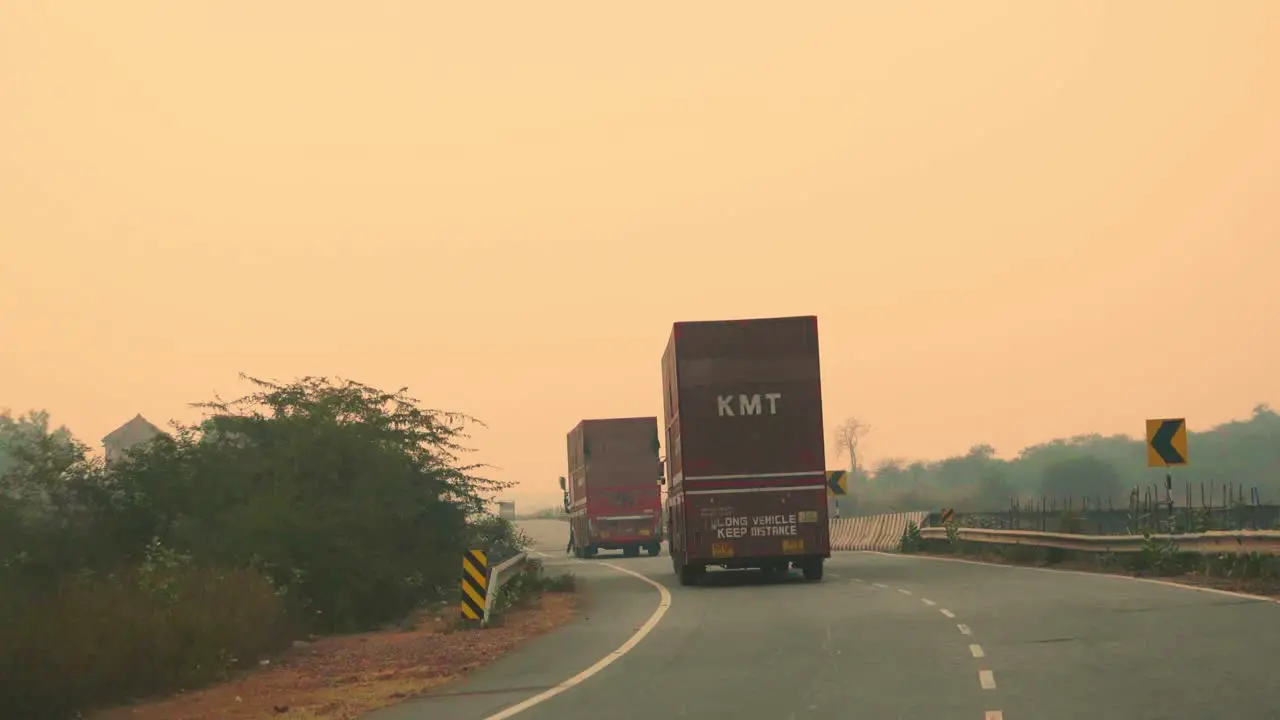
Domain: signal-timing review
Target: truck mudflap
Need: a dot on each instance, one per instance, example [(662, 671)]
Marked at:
[(763, 529)]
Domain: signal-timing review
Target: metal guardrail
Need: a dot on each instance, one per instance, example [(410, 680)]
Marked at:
[(1265, 542), (497, 578)]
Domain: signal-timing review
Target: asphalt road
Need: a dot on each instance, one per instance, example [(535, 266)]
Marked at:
[(881, 637)]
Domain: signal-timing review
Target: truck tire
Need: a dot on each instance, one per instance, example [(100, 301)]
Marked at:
[(813, 569), (631, 551), (655, 549), (689, 574)]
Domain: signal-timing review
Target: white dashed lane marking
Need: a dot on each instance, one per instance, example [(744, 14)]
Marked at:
[(987, 679)]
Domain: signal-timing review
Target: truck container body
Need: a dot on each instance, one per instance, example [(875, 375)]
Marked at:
[(614, 492), (746, 453)]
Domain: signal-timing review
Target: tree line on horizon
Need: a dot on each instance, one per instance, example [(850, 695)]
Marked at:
[(1094, 469)]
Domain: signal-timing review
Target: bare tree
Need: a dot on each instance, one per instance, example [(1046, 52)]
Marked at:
[(846, 437)]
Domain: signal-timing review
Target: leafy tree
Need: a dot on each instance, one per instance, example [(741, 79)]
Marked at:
[(33, 456), (1081, 477), (46, 501), (350, 498), (993, 489)]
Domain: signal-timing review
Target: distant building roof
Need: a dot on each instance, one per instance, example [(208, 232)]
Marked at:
[(138, 426)]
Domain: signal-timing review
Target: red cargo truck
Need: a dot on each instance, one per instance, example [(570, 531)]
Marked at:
[(614, 495), (746, 457)]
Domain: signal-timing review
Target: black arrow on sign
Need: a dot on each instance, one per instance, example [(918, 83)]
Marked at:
[(1162, 442)]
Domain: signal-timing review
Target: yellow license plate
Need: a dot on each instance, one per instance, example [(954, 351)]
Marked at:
[(808, 516), (792, 546), (721, 550), (645, 533), (604, 533)]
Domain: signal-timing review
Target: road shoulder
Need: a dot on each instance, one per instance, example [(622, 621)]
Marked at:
[(611, 606), (1262, 588)]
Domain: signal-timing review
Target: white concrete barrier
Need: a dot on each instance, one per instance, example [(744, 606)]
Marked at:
[(872, 532)]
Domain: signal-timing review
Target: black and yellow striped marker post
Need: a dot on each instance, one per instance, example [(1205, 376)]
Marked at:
[(475, 584)]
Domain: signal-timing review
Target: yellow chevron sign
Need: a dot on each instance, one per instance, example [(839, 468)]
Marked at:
[(475, 584), (837, 482)]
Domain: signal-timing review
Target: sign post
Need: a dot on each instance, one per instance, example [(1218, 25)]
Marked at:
[(1166, 448)]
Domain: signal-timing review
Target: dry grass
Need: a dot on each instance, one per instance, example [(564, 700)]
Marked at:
[(343, 677), (99, 640)]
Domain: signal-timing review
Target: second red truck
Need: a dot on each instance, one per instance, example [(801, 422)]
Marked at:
[(613, 495)]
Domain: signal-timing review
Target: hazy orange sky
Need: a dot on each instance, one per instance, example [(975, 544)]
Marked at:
[(1014, 220)]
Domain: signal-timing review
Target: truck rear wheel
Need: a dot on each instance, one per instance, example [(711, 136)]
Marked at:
[(689, 574), (631, 551), (655, 549), (813, 569)]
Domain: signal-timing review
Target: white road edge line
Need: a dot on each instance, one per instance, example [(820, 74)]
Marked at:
[(886, 587), (928, 602), (664, 604), (1150, 581), (964, 629), (947, 612), (993, 715), (904, 592), (977, 651), (987, 679)]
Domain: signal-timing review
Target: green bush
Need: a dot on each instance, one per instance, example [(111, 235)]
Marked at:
[(562, 583), (911, 540), (1159, 557), (526, 586), (498, 537)]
